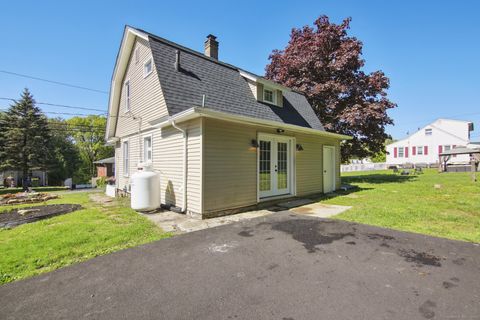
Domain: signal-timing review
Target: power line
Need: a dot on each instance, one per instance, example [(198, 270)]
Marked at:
[(59, 113), (58, 105), (52, 81)]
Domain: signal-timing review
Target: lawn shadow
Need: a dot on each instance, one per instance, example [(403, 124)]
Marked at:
[(378, 178), (338, 193)]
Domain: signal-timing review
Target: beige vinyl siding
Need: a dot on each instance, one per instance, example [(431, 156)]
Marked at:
[(230, 164), (194, 168), (167, 161), (279, 98), (146, 97)]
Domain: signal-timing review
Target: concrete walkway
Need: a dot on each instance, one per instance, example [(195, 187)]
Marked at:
[(179, 223)]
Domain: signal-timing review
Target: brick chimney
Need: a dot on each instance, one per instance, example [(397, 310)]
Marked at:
[(211, 46)]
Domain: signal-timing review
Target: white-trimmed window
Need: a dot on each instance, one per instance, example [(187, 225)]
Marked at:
[(127, 95), (269, 95), (400, 152), (137, 55), (126, 158), (447, 147), (147, 149), (147, 67), (428, 132), (420, 150)]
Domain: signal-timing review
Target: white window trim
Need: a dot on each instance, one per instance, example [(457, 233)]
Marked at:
[(146, 74), (429, 130), (403, 152), (151, 147), (274, 95), (128, 98), (420, 150), (126, 173)]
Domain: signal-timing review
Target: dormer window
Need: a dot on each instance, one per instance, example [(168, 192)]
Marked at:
[(269, 95), (147, 67)]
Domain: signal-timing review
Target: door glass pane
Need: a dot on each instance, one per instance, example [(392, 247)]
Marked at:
[(264, 166), (282, 160)]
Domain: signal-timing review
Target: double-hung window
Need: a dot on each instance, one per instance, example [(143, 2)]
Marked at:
[(126, 159), (420, 150), (428, 132), (269, 96), (400, 152), (127, 96), (147, 67), (147, 149)]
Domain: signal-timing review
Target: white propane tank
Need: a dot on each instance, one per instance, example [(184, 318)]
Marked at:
[(145, 189)]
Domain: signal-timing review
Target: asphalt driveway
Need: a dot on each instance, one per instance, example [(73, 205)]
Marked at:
[(283, 266)]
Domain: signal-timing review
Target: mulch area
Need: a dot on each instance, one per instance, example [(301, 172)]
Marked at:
[(18, 216)]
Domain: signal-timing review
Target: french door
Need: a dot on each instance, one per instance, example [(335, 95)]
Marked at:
[(274, 165)]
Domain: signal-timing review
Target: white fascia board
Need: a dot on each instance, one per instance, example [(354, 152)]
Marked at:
[(196, 112), (121, 64), (268, 83)]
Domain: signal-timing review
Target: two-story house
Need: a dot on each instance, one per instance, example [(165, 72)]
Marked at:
[(425, 145), (221, 138)]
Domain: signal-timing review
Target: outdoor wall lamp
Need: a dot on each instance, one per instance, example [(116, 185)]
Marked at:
[(254, 143), (299, 147)]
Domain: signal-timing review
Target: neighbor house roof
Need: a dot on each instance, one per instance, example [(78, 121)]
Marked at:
[(105, 161), (225, 86)]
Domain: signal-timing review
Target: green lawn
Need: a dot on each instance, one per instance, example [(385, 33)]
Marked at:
[(49, 244), (412, 203), (38, 189)]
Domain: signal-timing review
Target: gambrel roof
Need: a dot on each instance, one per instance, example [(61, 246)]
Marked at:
[(225, 86)]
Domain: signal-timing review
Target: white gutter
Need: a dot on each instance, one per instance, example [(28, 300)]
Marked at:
[(196, 112), (184, 184)]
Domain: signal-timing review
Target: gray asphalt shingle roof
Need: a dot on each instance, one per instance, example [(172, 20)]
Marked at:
[(225, 89)]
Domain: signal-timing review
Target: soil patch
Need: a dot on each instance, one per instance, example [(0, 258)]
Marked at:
[(18, 216)]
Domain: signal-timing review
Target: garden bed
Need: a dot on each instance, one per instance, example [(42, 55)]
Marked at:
[(18, 216), (25, 197)]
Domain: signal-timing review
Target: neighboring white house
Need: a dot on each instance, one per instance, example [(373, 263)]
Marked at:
[(425, 145)]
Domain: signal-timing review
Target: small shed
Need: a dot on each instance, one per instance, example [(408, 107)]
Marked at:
[(105, 167), (445, 156)]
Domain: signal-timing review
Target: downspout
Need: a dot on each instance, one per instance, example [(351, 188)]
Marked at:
[(184, 184)]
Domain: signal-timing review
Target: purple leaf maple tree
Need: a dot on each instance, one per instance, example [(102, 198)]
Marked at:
[(325, 64)]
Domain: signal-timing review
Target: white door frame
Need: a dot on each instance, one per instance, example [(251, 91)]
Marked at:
[(326, 188), (291, 182)]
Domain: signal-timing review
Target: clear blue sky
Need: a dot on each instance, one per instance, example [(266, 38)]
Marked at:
[(429, 49)]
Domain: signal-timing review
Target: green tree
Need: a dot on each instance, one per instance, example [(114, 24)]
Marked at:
[(88, 134), (27, 140), (66, 157), (381, 156)]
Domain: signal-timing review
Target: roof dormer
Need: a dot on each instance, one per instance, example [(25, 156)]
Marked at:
[(264, 90)]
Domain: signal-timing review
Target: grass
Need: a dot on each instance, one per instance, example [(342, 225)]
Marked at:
[(38, 189), (43, 246), (412, 203)]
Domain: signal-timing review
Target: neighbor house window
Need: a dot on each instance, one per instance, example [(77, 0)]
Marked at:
[(147, 67), (126, 159), (428, 132), (268, 96), (400, 152), (420, 150), (147, 148), (127, 96)]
